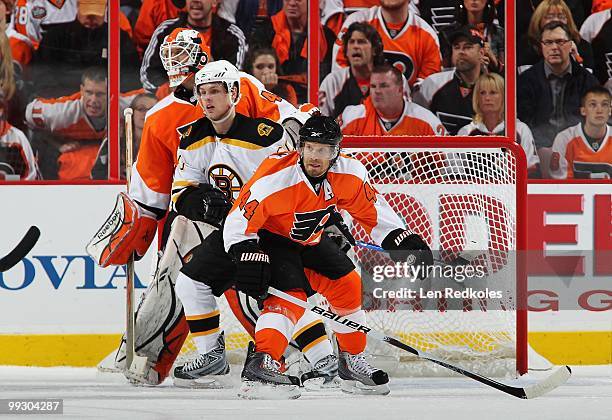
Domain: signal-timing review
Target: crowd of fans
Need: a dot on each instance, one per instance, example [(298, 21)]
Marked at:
[(387, 67)]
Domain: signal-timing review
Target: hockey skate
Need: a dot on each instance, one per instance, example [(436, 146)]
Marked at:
[(262, 379), (209, 370), (359, 377), (324, 375)]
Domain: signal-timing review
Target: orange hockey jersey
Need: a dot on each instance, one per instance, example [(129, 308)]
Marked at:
[(152, 175), (280, 199), (574, 157), (414, 48), (363, 120)]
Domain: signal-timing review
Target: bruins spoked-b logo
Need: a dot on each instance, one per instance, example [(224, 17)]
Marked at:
[(308, 226), (226, 179)]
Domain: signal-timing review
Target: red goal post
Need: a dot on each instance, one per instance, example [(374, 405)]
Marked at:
[(430, 173)]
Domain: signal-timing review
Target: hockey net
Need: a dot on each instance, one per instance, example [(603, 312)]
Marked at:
[(458, 194)]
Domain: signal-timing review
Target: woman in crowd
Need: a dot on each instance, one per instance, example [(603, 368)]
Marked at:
[(263, 63), (488, 103)]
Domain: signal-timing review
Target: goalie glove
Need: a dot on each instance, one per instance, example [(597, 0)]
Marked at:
[(403, 245), (204, 203), (252, 268)]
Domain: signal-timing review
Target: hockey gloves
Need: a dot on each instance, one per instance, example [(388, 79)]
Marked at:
[(404, 245), (252, 268), (204, 203)]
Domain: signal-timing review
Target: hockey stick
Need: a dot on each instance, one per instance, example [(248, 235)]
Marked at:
[(559, 377), (21, 250)]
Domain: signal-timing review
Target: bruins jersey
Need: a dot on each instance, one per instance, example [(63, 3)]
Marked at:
[(574, 157), (151, 180), (280, 199), (413, 48), (226, 161)]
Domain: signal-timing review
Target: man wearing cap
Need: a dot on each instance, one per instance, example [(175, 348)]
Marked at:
[(448, 94), (66, 49)]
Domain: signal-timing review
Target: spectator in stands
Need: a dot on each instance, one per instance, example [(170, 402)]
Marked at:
[(333, 14), (141, 104), (226, 40), (6, 8), (438, 13), (71, 127), (549, 93), (66, 49), (263, 63), (597, 29), (350, 85), (409, 42), (448, 94), (17, 160), (152, 14), (12, 85), (488, 103), (480, 14), (585, 150), (387, 111), (287, 33), (529, 49)]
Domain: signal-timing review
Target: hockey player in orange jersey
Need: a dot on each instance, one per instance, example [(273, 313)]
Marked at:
[(275, 231), (183, 53), (410, 44), (585, 150)]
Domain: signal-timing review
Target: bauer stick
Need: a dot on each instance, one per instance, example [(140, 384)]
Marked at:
[(559, 377), (21, 250), (129, 271)]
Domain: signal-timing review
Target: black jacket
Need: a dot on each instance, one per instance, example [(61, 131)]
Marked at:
[(227, 43), (535, 103)]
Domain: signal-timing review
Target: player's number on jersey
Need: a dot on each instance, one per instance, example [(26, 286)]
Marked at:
[(248, 207), (22, 15)]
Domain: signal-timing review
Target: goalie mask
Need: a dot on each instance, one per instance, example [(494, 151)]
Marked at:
[(322, 130), (223, 72), (182, 53)]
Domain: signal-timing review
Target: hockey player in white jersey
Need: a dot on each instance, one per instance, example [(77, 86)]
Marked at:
[(217, 155)]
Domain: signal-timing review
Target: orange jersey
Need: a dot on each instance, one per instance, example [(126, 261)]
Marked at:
[(152, 14), (363, 120), (574, 157), (152, 175), (280, 199), (414, 48)]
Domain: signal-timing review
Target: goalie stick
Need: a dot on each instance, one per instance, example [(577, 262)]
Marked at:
[(21, 250), (559, 377)]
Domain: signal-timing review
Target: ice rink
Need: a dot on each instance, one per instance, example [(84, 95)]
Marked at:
[(88, 394)]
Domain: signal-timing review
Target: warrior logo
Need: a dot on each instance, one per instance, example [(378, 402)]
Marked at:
[(308, 226), (226, 179)]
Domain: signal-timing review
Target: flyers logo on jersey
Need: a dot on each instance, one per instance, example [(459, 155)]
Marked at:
[(264, 129), (307, 227)]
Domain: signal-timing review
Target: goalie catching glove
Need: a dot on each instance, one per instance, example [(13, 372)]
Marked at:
[(203, 203), (252, 268), (129, 229), (407, 246)]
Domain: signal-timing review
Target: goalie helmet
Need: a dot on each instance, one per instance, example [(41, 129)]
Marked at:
[(182, 53), (221, 71)]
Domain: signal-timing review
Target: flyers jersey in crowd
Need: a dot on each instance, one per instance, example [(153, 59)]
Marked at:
[(16, 155), (413, 47), (363, 120), (280, 199), (226, 161), (523, 134), (152, 175), (575, 157)]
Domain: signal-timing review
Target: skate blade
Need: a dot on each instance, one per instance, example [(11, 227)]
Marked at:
[(319, 384), (356, 387), (205, 382), (251, 390)]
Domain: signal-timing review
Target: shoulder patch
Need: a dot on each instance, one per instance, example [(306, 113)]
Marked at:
[(264, 129), (194, 132)]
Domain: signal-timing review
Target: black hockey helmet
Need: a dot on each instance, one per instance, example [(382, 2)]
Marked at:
[(321, 129)]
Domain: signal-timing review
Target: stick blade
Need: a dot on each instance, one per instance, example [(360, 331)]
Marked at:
[(21, 250), (558, 378)]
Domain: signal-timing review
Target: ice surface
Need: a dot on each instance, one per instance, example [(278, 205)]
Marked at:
[(89, 394)]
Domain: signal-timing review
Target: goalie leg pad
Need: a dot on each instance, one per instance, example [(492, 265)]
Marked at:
[(127, 230)]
